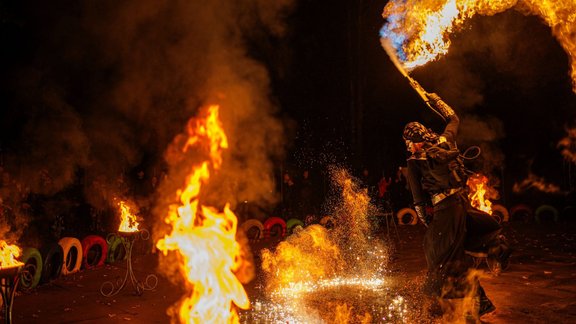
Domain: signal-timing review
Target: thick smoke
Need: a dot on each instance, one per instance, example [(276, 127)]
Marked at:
[(100, 94), (484, 133)]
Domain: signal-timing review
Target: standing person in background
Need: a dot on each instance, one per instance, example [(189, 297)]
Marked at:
[(288, 195)]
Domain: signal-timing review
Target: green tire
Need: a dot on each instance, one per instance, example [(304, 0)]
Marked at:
[(32, 271)]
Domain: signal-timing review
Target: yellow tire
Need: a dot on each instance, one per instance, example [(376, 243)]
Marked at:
[(407, 216), (250, 226), (502, 212), (327, 221)]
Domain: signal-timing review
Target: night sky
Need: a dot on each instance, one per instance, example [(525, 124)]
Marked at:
[(95, 87)]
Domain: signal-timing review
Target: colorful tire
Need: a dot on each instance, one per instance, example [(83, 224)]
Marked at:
[(327, 221), (407, 216), (501, 212), (72, 255), (94, 251), (52, 261), (546, 209), (521, 211), (116, 248), (291, 223), (253, 229), (274, 227), (31, 272)]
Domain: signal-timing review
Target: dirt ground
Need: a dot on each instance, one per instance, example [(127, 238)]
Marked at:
[(538, 287)]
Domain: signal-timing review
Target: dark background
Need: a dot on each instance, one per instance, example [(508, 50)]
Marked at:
[(338, 96)]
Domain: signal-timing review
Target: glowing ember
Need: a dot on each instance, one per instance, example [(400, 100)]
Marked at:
[(205, 238), (9, 255), (335, 276), (128, 219), (419, 29), (480, 193)]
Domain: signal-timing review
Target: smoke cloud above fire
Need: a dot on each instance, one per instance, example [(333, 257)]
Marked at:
[(98, 89)]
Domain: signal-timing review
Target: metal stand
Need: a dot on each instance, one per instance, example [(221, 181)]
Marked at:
[(128, 239), (8, 284)]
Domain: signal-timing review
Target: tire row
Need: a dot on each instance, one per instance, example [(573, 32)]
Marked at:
[(522, 212), (275, 227), (69, 255)]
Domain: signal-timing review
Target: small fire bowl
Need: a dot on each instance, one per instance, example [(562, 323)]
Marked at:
[(128, 234), (10, 272)]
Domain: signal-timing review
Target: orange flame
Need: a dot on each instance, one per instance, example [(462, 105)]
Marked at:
[(205, 238), (480, 193), (419, 29), (128, 219), (9, 255)]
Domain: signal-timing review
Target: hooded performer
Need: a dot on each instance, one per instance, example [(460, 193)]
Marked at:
[(436, 178)]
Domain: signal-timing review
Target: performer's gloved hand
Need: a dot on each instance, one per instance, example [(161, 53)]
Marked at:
[(440, 105), (421, 212)]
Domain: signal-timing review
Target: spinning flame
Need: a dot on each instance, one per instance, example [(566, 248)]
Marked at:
[(419, 30), (480, 193), (205, 238), (8, 255), (128, 223)]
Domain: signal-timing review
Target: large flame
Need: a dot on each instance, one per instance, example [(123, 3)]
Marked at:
[(204, 238), (128, 222), (9, 254), (480, 193), (419, 29)]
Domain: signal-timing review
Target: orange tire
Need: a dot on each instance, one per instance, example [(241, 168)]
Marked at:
[(72, 258), (502, 213), (402, 216), (253, 229)]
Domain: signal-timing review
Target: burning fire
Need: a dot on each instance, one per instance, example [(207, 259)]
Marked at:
[(419, 29), (205, 238), (480, 193), (128, 223), (9, 255)]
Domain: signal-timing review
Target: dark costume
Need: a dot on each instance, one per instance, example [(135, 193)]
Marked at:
[(436, 177)]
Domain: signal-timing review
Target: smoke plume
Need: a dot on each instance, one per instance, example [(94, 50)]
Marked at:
[(105, 89)]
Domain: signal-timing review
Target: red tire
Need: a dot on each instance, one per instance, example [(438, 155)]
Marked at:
[(274, 227), (522, 212), (94, 251)]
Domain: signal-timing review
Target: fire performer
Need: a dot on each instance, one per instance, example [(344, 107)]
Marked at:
[(436, 176)]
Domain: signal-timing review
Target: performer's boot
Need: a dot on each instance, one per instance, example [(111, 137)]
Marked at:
[(485, 305)]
